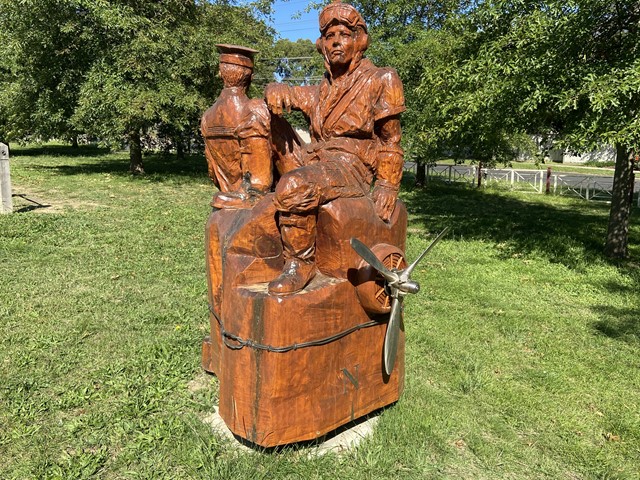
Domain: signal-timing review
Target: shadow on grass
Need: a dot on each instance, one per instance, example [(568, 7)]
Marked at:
[(60, 151), (158, 167), (619, 324), (568, 233)]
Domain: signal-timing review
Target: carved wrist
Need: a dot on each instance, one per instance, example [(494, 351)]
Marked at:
[(380, 183)]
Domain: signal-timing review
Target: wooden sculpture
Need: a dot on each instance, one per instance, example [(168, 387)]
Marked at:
[(304, 275)]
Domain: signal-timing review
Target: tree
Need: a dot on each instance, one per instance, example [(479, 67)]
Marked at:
[(159, 66), (569, 67), (116, 68), (297, 62), (46, 47), (410, 36), (481, 75)]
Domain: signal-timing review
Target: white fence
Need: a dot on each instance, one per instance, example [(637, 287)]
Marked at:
[(589, 187)]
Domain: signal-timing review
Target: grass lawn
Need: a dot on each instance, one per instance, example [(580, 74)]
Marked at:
[(523, 347)]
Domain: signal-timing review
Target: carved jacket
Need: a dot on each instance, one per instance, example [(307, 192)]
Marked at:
[(230, 128), (351, 114)]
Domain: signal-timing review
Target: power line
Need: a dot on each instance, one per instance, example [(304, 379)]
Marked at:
[(286, 58), (295, 22)]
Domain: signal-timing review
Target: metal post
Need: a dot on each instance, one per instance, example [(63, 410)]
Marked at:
[(450, 167), (513, 176), (587, 196), (555, 183), (5, 180)]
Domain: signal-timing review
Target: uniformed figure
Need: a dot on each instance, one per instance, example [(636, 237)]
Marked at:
[(355, 132), (237, 136)]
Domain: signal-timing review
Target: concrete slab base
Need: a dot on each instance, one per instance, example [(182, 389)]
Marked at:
[(340, 442)]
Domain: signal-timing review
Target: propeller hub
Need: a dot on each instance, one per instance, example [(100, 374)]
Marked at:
[(410, 287)]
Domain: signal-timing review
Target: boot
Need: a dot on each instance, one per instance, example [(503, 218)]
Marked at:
[(294, 277), (245, 197), (299, 242), (238, 199)]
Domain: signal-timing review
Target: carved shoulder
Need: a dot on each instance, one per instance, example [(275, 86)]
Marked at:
[(391, 94)]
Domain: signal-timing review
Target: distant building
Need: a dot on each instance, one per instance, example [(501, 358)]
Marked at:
[(604, 154), (304, 134), (545, 147)]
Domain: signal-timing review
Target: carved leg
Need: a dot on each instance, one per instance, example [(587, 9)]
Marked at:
[(299, 241)]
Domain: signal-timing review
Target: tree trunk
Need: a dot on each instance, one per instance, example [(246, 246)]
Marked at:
[(479, 174), (179, 147), (421, 174), (618, 229), (74, 141), (135, 153)]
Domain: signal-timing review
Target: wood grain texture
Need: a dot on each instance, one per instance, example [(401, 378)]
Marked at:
[(272, 398)]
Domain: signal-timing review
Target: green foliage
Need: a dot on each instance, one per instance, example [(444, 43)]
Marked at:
[(297, 62), (160, 66), (110, 68), (485, 74), (46, 49), (478, 75), (568, 67)]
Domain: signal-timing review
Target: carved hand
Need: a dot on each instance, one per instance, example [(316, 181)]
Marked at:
[(385, 201), (278, 97)]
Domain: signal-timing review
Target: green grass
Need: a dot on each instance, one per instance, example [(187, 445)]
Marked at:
[(523, 347)]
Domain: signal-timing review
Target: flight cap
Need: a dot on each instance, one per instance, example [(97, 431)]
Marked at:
[(236, 54)]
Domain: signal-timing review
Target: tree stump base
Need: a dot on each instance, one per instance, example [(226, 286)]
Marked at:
[(293, 368)]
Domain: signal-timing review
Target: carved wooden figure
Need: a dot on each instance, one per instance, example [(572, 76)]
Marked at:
[(237, 135), (303, 280)]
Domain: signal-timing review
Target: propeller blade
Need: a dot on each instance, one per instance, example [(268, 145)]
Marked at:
[(392, 335), (407, 272), (370, 257)]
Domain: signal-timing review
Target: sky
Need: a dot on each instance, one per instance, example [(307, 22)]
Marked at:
[(293, 29)]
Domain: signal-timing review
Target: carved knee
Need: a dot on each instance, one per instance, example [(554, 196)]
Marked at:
[(295, 193)]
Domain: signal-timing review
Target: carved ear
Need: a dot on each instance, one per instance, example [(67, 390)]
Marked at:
[(362, 39)]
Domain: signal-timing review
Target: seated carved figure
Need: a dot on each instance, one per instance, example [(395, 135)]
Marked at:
[(236, 131), (355, 137), (298, 319)]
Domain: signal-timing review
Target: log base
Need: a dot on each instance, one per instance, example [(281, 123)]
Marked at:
[(293, 368)]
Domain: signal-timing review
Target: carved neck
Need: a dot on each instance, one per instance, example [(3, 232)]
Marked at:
[(235, 90), (338, 72)]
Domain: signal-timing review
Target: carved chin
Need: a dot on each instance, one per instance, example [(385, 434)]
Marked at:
[(338, 60)]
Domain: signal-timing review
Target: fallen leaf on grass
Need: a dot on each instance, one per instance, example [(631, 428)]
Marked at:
[(460, 443), (610, 437), (595, 410)]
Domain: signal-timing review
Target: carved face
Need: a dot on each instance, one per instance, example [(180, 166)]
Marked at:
[(339, 43)]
